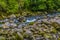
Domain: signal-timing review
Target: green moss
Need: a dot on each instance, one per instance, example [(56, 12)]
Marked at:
[(54, 31), (56, 25), (47, 35), (19, 37), (58, 10), (2, 38), (58, 38), (1, 22), (31, 23)]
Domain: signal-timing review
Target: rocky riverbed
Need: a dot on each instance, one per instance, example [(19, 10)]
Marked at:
[(46, 27)]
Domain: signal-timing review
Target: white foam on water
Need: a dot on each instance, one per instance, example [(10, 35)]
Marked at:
[(31, 20)]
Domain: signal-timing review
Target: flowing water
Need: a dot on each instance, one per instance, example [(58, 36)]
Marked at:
[(28, 19)]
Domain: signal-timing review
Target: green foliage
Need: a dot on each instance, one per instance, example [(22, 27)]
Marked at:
[(15, 6), (9, 6), (12, 6), (42, 5), (3, 5)]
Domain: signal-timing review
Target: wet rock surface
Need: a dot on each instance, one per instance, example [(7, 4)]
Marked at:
[(38, 28)]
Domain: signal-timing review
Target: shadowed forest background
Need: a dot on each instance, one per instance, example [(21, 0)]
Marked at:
[(28, 7)]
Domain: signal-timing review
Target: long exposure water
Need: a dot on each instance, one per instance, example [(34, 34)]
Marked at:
[(28, 19)]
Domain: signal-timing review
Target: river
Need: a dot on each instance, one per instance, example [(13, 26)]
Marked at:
[(28, 19)]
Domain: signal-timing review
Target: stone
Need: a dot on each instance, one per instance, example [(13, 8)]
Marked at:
[(21, 19), (6, 20), (2, 38), (6, 25), (28, 32), (13, 24), (13, 16), (0, 25), (19, 26)]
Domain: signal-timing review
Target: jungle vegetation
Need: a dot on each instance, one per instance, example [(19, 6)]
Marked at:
[(8, 7)]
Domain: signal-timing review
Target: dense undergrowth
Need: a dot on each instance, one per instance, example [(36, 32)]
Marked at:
[(28, 7)]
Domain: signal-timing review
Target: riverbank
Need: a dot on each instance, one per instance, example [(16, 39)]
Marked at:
[(39, 30), (13, 19), (24, 14), (32, 28)]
